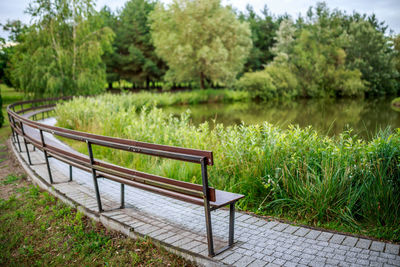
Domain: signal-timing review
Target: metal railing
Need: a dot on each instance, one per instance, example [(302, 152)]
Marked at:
[(32, 132)]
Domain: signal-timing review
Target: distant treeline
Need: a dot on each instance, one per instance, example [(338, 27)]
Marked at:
[(70, 48)]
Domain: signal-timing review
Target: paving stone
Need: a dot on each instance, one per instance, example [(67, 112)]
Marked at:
[(392, 249), (291, 229), (375, 264), (313, 234), (395, 262), (290, 264), (258, 263), (324, 236), (337, 239), (270, 224), (377, 246), (231, 259), (268, 258), (362, 262), (363, 243), (244, 261), (350, 241), (280, 227)]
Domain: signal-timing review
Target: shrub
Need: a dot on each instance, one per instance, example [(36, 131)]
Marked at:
[(259, 84), (284, 80)]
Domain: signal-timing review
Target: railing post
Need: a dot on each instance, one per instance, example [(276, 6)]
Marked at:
[(15, 126), (12, 129), (26, 145), (207, 207), (96, 185), (45, 156)]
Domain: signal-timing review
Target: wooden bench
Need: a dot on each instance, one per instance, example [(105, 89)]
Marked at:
[(203, 194)]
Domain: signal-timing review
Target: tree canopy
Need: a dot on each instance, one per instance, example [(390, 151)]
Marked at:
[(72, 49), (61, 52), (200, 40)]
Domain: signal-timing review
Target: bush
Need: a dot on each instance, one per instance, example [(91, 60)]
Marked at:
[(259, 84), (284, 80)]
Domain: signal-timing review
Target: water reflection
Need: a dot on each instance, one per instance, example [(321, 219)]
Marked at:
[(364, 116)]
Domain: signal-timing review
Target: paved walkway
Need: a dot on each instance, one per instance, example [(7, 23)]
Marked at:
[(181, 226)]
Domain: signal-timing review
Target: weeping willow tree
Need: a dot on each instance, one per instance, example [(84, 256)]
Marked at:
[(61, 52)]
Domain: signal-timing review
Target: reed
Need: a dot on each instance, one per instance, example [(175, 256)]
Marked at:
[(295, 173)]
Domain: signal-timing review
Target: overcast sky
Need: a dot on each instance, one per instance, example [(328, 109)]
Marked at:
[(385, 10)]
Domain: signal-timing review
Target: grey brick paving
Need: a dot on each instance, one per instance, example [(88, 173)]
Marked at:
[(377, 246), (259, 242)]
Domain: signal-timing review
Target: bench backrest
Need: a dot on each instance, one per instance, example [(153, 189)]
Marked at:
[(108, 170)]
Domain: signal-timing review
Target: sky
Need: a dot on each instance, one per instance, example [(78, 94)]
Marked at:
[(385, 10)]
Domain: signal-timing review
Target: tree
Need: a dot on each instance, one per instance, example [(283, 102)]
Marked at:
[(133, 57), (370, 51), (396, 47), (137, 56), (200, 40), (263, 32), (110, 56), (60, 54), (16, 29)]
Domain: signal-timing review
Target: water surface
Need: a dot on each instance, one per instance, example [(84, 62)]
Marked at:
[(331, 117)]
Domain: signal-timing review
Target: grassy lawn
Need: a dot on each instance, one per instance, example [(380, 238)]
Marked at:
[(9, 96), (38, 229)]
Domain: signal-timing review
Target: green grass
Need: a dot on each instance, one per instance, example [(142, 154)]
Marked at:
[(37, 229), (343, 183), (9, 96)]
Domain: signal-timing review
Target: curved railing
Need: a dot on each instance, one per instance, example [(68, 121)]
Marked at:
[(23, 115)]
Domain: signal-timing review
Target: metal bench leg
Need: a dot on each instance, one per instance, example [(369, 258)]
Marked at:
[(70, 173), (122, 196), (46, 157), (210, 240), (231, 223), (96, 185), (207, 210)]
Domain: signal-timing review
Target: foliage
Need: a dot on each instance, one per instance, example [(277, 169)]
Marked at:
[(263, 31), (133, 57), (37, 229), (5, 55), (396, 46), (369, 51), (396, 104), (60, 54), (297, 172), (8, 95), (200, 40), (259, 84)]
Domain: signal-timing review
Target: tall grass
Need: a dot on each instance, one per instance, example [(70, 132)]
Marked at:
[(296, 173)]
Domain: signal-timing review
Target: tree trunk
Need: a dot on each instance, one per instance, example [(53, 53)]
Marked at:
[(202, 80)]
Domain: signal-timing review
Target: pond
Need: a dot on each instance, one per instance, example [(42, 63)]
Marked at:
[(331, 117)]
